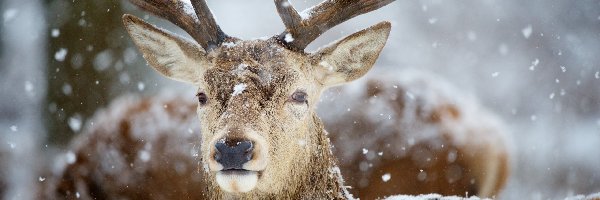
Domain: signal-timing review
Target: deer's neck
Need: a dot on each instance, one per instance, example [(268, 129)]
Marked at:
[(321, 178)]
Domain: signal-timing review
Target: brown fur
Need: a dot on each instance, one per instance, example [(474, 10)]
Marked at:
[(129, 127), (130, 151), (431, 139), (259, 106), (444, 175), (250, 88), (261, 110)]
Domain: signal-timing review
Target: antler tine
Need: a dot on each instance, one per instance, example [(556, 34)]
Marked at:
[(306, 27), (201, 26), (213, 33)]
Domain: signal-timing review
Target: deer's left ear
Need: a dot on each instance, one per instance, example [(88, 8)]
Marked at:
[(351, 57)]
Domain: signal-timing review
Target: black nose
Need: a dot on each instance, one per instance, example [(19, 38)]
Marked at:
[(232, 154)]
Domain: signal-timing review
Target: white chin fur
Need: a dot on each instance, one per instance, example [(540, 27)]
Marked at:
[(237, 182)]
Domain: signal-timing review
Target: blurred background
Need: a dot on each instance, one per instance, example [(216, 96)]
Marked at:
[(535, 63)]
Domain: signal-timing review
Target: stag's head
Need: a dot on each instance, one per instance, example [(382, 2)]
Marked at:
[(256, 98)]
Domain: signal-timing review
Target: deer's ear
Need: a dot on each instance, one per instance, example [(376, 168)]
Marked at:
[(351, 57), (169, 54)]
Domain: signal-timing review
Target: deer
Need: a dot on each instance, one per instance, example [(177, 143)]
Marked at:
[(257, 97), (416, 134), (259, 135)]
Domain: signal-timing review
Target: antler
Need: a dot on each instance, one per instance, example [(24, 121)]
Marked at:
[(311, 23), (201, 26)]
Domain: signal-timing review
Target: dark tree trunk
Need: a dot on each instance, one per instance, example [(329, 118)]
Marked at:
[(86, 53)]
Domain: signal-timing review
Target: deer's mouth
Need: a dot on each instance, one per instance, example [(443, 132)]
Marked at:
[(235, 172), (237, 180)]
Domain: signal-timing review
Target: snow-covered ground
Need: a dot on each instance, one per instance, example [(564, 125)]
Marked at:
[(429, 197), (439, 197), (535, 63)]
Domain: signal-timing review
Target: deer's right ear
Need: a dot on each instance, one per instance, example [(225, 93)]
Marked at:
[(351, 57), (169, 54)]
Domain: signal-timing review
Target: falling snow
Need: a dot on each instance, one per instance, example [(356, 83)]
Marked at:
[(288, 38), (28, 86), (527, 31), (103, 60), (410, 95), (144, 155), (12, 145), (67, 89), (432, 20), (472, 36), (9, 14), (55, 33), (75, 123), (141, 86), (60, 55), (386, 177), (70, 157), (503, 49), (562, 50), (534, 64), (238, 89)]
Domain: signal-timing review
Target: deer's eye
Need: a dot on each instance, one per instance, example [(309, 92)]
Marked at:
[(300, 97), (202, 98)]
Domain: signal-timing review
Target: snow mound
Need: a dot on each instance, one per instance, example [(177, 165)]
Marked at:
[(430, 197), (132, 148), (419, 122), (595, 196)]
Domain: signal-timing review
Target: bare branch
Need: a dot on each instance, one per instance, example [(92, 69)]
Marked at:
[(320, 18)]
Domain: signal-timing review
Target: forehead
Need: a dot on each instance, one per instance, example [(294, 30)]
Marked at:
[(255, 52), (261, 68)]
